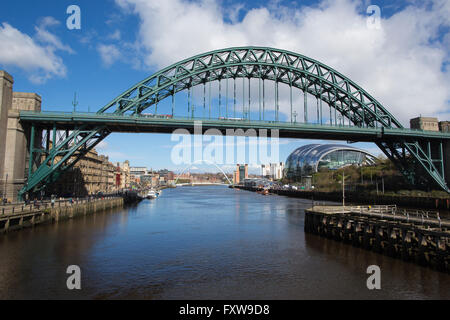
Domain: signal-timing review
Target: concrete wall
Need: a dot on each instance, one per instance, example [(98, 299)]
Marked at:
[(6, 95)]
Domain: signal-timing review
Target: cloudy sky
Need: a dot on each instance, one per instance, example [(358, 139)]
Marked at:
[(403, 63)]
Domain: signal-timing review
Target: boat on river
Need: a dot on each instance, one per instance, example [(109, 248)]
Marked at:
[(264, 192), (152, 194)]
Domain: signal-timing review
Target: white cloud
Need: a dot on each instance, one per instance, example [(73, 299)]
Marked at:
[(115, 36), (35, 55), (399, 64), (109, 54), (44, 36)]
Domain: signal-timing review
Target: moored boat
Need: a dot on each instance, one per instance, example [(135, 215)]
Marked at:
[(152, 194)]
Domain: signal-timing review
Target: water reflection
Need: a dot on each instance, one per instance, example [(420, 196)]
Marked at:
[(201, 243)]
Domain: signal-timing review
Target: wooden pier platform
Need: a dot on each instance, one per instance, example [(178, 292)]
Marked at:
[(420, 237)]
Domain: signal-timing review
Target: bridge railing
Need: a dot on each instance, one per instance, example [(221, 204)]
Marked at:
[(90, 115)]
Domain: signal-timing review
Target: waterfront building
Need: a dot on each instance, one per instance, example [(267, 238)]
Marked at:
[(123, 175), (91, 175), (151, 180), (138, 171), (166, 174), (240, 174), (309, 159), (185, 177), (273, 170), (146, 180), (444, 126), (111, 180), (155, 180), (257, 183), (135, 179), (107, 175), (424, 123)]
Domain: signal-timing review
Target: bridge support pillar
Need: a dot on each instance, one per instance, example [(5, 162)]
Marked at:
[(15, 153), (6, 95), (446, 147)]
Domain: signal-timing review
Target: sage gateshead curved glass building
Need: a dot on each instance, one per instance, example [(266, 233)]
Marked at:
[(309, 159)]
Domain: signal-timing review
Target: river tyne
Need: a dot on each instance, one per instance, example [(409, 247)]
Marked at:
[(207, 242)]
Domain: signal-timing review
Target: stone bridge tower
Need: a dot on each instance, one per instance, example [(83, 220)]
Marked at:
[(14, 144)]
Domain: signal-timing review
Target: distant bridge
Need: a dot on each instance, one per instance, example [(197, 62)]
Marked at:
[(340, 110), (201, 184)]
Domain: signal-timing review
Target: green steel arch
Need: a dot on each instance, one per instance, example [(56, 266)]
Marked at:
[(352, 102), (282, 66)]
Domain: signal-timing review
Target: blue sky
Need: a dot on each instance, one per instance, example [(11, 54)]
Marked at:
[(123, 41)]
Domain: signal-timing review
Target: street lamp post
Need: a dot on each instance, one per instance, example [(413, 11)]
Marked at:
[(343, 188), (4, 189), (362, 175)]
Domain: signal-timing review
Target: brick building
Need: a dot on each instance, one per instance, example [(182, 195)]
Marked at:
[(91, 175)]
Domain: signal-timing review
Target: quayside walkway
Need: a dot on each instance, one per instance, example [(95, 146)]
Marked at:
[(19, 216)]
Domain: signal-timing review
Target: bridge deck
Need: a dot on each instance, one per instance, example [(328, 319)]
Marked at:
[(124, 123)]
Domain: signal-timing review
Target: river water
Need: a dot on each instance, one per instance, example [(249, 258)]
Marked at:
[(202, 243)]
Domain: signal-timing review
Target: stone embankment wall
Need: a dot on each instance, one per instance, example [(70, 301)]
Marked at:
[(30, 216), (364, 198), (427, 244)]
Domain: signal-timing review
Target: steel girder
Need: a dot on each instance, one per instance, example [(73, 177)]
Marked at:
[(304, 73), (282, 66), (417, 165), (49, 163)]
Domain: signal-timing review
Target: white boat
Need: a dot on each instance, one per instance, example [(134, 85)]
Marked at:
[(152, 194)]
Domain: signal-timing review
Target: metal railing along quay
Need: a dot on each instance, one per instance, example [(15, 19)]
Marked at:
[(389, 212), (35, 206)]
